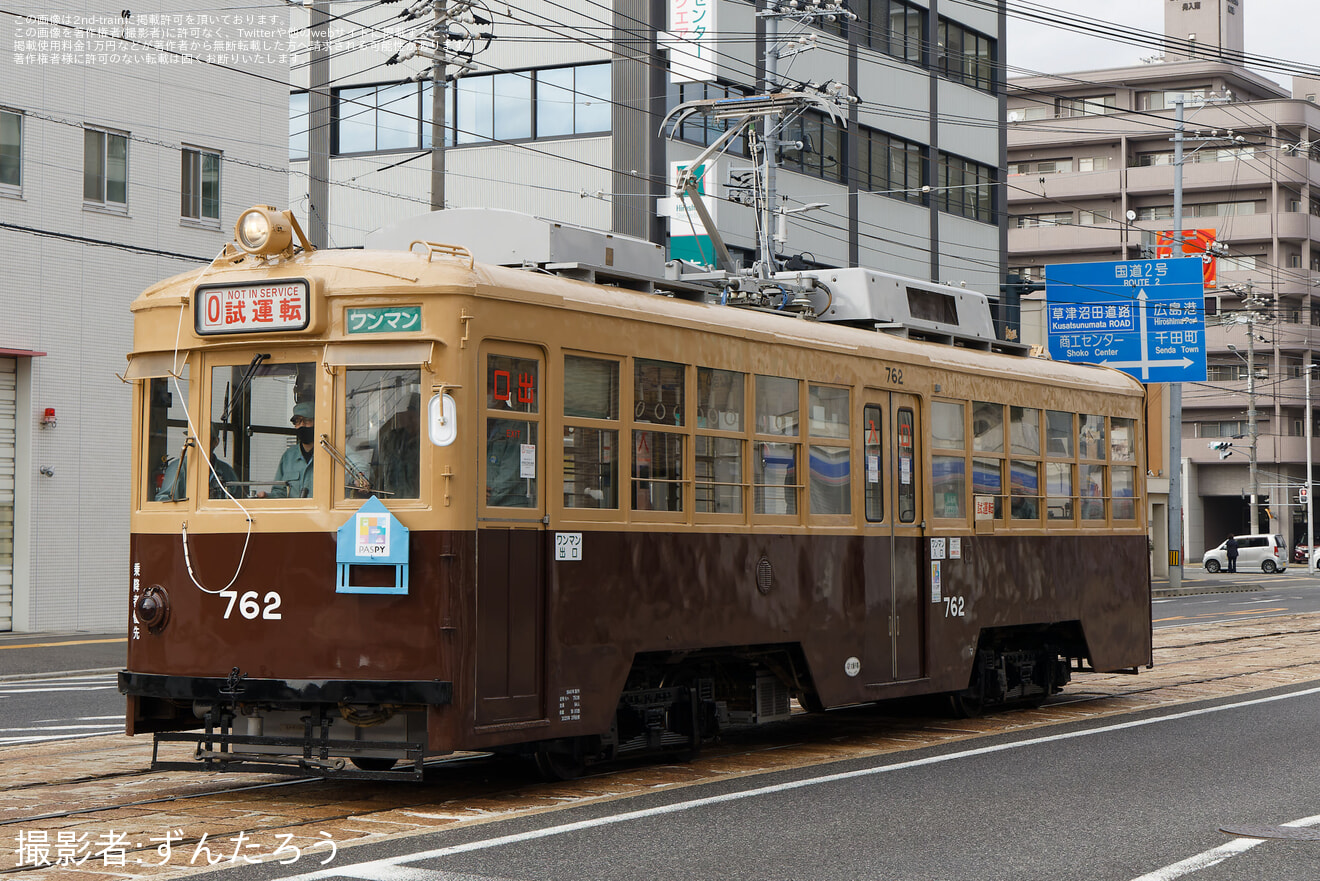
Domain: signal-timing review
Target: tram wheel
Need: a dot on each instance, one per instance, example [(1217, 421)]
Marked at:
[(373, 763)]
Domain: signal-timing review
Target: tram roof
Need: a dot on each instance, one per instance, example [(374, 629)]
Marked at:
[(352, 272)]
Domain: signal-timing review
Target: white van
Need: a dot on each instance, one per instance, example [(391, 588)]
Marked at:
[(1269, 553)]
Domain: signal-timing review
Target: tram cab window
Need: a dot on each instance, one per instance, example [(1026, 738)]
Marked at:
[(719, 458), (591, 433), (774, 463), (512, 423), (256, 410), (165, 457), (659, 399), (383, 429)]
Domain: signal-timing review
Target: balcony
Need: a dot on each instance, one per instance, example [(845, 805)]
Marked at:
[(1063, 239), (1028, 188)]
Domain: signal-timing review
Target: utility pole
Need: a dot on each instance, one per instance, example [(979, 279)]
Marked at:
[(438, 94), (318, 126), (1310, 528), (1251, 415), (1175, 388)]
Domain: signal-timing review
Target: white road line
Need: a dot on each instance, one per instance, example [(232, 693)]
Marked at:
[(57, 728), (1215, 856), (12, 741), (54, 690), (377, 870)]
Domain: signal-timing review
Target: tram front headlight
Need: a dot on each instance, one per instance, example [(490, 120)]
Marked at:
[(263, 230)]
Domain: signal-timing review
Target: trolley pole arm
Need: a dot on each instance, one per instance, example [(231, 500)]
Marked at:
[(688, 188)]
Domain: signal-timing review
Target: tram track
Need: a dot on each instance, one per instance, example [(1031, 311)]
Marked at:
[(127, 796)]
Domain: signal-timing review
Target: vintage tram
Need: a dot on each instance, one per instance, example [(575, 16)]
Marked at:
[(396, 503)]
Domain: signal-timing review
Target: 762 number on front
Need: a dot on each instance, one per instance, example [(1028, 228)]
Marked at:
[(248, 606)]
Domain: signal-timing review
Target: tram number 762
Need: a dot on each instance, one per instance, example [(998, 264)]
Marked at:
[(248, 606)]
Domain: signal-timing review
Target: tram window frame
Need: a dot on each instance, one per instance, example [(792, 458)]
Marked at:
[(404, 427), (1092, 468), (949, 434), (1122, 507), (988, 429), (662, 424), (772, 430), (302, 369), (501, 448), (604, 422), (1059, 460), (830, 437), (1024, 450), (720, 440), (159, 449), (873, 484)]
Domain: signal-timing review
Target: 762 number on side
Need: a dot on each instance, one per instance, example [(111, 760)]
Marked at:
[(248, 606)]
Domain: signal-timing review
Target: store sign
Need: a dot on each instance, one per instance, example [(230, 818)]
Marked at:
[(1195, 243), (691, 40), (258, 308)]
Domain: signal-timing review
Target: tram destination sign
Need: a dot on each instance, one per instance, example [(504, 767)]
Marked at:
[(1144, 317), (257, 308)]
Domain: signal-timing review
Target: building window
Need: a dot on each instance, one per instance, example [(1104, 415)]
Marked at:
[(822, 147), (298, 125), (1096, 105), (893, 27), (11, 149), (373, 119), (1031, 221), (199, 187), (702, 128), (889, 166), (966, 56), (573, 100), (1166, 100), (965, 188), (105, 168)]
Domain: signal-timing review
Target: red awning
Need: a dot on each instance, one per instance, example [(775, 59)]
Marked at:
[(20, 353)]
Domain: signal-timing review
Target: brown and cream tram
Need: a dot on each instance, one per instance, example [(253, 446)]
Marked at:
[(392, 504)]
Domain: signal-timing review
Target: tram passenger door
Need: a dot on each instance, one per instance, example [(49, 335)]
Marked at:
[(894, 565), (511, 539)]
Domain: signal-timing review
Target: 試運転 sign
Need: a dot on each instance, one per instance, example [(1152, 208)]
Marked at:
[(255, 308), (1144, 317)]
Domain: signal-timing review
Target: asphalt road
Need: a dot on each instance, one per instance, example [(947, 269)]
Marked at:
[(1140, 798)]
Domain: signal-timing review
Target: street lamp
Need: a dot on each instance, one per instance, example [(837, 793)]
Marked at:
[(1250, 358)]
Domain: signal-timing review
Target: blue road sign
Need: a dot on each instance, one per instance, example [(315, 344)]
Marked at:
[(1144, 317)]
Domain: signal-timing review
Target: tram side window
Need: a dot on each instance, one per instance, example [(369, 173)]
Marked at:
[(1023, 479), (591, 407), (949, 472), (1091, 478), (383, 428), (775, 462), (873, 450), (830, 463), (659, 398), (1123, 478), (511, 389), (263, 420), (1058, 475), (165, 456), (720, 409), (988, 437)]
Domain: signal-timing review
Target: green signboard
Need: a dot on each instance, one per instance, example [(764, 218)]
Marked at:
[(383, 319)]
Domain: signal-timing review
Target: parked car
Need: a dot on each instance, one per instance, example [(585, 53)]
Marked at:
[(1300, 550), (1269, 553)]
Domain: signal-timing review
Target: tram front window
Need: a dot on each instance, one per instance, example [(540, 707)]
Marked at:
[(264, 426), (383, 428), (167, 428)]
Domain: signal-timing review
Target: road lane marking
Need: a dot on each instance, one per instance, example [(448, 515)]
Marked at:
[(1217, 855), (1239, 613), (379, 870), (47, 645)]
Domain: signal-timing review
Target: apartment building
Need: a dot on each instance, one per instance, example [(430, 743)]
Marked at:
[(124, 158), (1091, 178)]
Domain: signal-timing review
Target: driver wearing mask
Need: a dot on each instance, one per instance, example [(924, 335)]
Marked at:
[(295, 466)]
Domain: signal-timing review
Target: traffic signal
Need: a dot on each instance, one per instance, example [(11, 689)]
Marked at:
[(1225, 448)]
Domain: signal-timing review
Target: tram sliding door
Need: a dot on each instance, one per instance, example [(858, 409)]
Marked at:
[(511, 539), (894, 564)]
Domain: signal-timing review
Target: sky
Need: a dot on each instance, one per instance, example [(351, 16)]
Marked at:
[(1271, 27)]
